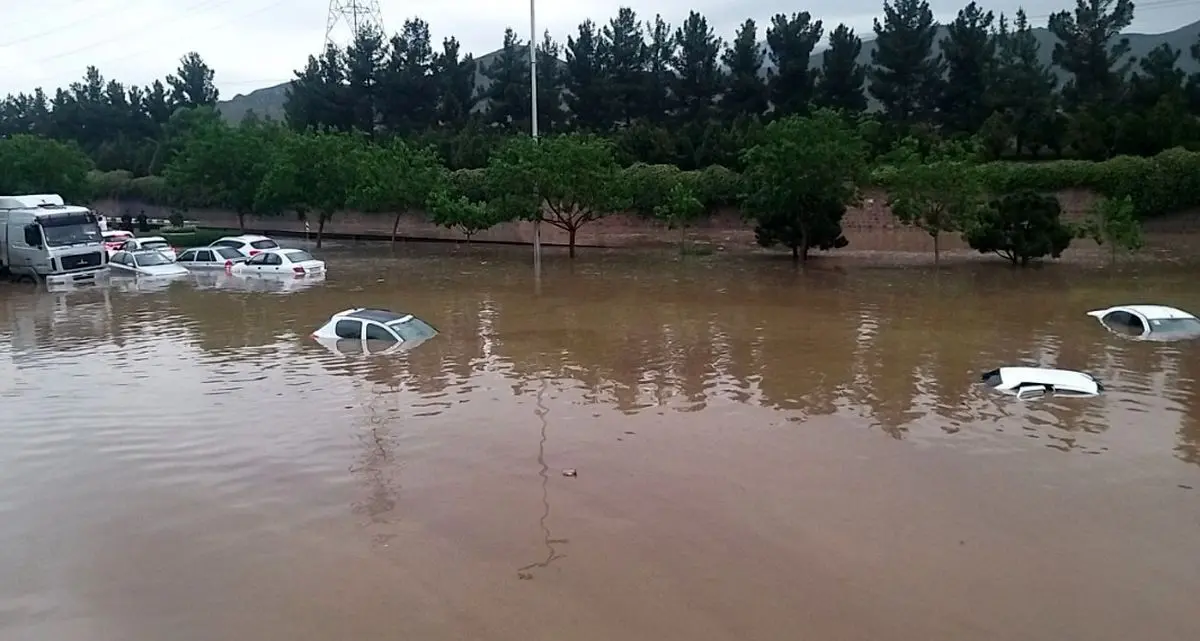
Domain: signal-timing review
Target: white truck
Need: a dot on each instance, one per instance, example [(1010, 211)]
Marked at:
[(44, 239)]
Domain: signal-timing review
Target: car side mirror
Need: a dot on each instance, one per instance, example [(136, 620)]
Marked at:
[(33, 236)]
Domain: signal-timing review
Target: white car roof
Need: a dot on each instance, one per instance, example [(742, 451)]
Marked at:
[(1012, 378), (245, 238), (1151, 312), (112, 233), (149, 239)]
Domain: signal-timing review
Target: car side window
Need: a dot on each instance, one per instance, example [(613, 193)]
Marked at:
[(350, 329), (379, 333), (129, 245), (119, 258), (186, 257), (260, 259), (205, 256), (1124, 322), (273, 259)]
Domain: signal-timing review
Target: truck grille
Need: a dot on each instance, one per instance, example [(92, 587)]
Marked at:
[(80, 261)]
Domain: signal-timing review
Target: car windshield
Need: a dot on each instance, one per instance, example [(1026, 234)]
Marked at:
[(266, 243), (1175, 325), (412, 329), (299, 256), (150, 259), (74, 229)]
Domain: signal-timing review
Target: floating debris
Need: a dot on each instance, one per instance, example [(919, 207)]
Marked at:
[(570, 471)]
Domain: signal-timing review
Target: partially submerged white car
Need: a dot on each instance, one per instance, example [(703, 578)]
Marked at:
[(373, 331), (144, 262), (1148, 322), (1033, 382)]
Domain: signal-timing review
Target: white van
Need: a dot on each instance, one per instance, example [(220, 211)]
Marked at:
[(45, 239)]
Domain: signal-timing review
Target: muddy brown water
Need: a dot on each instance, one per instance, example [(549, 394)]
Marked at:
[(761, 454)]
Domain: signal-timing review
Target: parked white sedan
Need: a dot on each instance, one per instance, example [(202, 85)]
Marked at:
[(157, 243), (146, 262), (281, 261)]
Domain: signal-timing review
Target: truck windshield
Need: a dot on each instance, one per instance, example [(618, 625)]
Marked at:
[(75, 229)]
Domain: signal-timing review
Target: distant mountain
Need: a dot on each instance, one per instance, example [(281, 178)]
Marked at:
[(268, 102)]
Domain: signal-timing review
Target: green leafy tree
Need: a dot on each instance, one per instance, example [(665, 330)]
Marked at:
[(625, 66), (1113, 222), (679, 209), (575, 177), (456, 211), (1020, 227), (312, 172), (791, 81), (699, 79), (1091, 49), (508, 91), (969, 52), (905, 76), (587, 81), (396, 178), (840, 85), (34, 165), (745, 92), (937, 196), (223, 166), (661, 48), (800, 180)]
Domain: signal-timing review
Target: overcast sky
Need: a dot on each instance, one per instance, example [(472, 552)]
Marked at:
[(257, 43)]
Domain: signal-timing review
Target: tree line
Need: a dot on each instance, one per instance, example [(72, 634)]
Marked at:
[(681, 95)]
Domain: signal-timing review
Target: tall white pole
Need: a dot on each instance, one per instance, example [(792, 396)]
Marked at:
[(533, 124)]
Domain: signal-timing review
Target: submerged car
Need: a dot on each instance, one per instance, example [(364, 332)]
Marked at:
[(293, 262), (380, 327), (210, 257), (145, 262), (1033, 382), (157, 243), (1148, 322), (248, 244), (113, 239)]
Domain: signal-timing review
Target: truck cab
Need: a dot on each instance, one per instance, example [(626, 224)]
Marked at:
[(43, 238)]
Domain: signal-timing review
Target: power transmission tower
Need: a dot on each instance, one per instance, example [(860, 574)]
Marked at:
[(355, 14)]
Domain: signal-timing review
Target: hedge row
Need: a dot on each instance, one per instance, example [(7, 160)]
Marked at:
[(1160, 184)]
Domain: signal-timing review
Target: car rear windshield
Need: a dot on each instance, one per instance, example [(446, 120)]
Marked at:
[(413, 329), (228, 253), (156, 244), (299, 255), (265, 243)]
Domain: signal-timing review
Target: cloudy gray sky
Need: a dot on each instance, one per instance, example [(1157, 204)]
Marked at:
[(257, 43)]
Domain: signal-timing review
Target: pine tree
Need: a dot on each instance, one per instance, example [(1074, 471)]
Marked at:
[(791, 83), (746, 92), (509, 84), (625, 66), (586, 82), (969, 52), (1092, 51), (698, 73), (660, 76), (905, 76), (840, 85)]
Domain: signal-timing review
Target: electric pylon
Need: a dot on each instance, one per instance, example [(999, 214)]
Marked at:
[(354, 14)]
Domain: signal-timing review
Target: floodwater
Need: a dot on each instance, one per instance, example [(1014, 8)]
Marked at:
[(761, 453)]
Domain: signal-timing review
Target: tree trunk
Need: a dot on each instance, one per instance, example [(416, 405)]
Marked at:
[(242, 222), (571, 241), (320, 230), (395, 226), (795, 253), (936, 250), (682, 240)]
